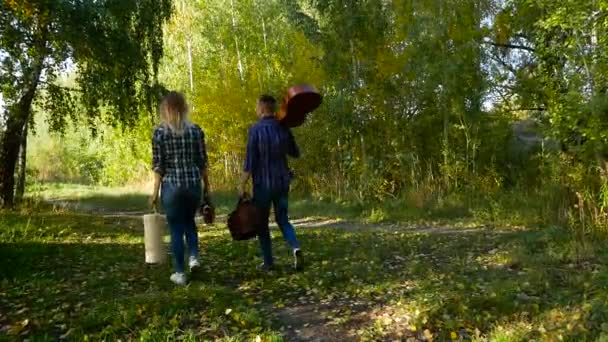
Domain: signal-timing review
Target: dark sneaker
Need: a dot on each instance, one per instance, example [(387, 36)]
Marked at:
[(297, 259), (266, 268)]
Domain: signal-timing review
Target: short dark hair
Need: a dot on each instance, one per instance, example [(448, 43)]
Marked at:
[(269, 102)]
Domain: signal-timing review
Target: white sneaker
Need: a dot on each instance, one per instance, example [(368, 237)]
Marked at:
[(178, 278), (193, 263)]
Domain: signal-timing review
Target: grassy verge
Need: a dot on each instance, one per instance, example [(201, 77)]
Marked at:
[(509, 209), (81, 276)]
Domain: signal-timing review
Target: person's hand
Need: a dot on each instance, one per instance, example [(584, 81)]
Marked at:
[(242, 191), (153, 201), (206, 198)]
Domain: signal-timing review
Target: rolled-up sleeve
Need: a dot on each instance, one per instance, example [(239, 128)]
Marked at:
[(158, 160), (250, 156)]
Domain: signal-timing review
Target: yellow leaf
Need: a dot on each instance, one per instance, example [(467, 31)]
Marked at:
[(18, 328), (454, 335), (428, 335)]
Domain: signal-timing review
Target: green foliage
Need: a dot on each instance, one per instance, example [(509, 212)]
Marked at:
[(422, 99), (115, 46), (112, 156), (126, 155), (240, 50)]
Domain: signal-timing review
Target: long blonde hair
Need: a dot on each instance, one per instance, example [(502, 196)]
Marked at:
[(174, 112)]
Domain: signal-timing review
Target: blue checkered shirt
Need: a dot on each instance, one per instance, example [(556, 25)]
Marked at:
[(179, 159), (269, 144)]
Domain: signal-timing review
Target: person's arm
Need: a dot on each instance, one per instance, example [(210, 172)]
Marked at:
[(250, 159), (203, 166), (158, 166), (244, 179), (292, 149), (154, 198), (205, 183)]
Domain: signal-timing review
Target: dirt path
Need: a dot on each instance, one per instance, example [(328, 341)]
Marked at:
[(87, 208), (307, 222)]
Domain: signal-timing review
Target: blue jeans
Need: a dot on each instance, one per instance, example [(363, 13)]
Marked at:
[(180, 205), (263, 199)]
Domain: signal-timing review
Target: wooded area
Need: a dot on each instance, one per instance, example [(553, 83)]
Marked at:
[(423, 99), (435, 112)]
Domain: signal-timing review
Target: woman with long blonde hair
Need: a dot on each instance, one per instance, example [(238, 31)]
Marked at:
[(179, 159)]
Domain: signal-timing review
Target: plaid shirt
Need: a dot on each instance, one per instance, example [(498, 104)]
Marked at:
[(268, 146), (179, 159)]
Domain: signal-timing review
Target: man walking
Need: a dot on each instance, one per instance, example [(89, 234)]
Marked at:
[(269, 144)]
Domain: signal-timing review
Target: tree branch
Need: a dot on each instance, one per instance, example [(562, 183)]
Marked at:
[(504, 64), (61, 87), (510, 46), (530, 109)]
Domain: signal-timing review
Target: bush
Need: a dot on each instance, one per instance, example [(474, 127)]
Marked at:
[(111, 157)]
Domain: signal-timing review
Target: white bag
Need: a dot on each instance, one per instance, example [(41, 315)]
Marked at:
[(154, 229)]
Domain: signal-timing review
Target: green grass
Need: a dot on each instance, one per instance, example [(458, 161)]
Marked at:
[(82, 276)]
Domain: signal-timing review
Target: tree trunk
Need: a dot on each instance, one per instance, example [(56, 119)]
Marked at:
[(189, 45), (268, 68), (21, 177), (10, 140), (239, 64), (9, 151)]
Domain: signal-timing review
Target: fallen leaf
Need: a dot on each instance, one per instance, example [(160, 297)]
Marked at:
[(66, 335), (19, 327), (427, 334)]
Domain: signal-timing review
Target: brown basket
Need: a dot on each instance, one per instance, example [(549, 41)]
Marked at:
[(244, 221), (300, 100)]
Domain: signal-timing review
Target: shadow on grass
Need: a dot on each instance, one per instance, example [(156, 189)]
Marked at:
[(106, 291), (364, 284)]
